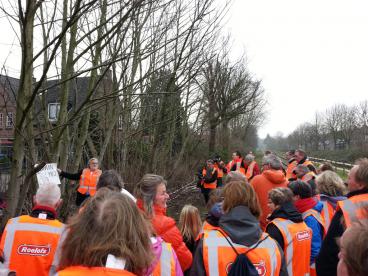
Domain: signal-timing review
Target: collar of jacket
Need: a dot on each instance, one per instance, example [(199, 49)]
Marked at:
[(305, 204), (241, 226), (39, 209), (287, 211), (291, 160), (303, 160), (358, 192)]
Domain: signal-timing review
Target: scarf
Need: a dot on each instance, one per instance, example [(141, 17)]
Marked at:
[(305, 204)]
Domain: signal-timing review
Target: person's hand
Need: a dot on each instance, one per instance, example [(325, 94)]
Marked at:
[(59, 171)]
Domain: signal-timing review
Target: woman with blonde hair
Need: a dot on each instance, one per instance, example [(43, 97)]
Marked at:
[(108, 237), (238, 234), (190, 225), (331, 190), (152, 200)]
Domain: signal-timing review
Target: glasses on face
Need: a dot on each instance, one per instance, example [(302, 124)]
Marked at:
[(94, 163)]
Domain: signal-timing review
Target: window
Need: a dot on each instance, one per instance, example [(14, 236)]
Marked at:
[(53, 111), (9, 120), (1, 120), (120, 122)]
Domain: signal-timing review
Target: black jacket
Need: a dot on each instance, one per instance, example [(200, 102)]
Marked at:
[(242, 228), (71, 176), (286, 211), (326, 262)]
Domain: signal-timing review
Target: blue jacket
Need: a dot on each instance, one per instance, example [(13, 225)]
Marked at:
[(317, 230)]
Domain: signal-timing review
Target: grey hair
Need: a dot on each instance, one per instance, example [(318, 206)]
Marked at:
[(329, 183), (249, 157), (48, 195), (273, 161), (146, 190), (235, 176)]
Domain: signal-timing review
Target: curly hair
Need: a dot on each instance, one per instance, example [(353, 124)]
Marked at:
[(329, 183)]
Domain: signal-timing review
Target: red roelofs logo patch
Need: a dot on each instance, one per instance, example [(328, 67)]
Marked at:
[(304, 235), (34, 250), (261, 268)]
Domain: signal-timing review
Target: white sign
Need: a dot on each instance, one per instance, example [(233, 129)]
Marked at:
[(48, 175)]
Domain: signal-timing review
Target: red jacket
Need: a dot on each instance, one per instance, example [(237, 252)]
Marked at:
[(262, 184), (165, 227)]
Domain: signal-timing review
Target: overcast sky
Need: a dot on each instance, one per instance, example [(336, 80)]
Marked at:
[(310, 55)]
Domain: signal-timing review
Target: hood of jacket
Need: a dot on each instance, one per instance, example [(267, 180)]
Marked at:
[(287, 211), (274, 176), (241, 226)]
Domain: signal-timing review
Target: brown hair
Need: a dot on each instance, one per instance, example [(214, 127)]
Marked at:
[(146, 190), (215, 196), (280, 195), (361, 175), (237, 193), (235, 176), (355, 246), (110, 223), (190, 223), (329, 183), (326, 167), (110, 179)]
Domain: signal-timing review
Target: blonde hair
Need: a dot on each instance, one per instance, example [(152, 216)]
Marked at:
[(237, 193), (235, 176), (329, 183), (110, 223), (190, 223)]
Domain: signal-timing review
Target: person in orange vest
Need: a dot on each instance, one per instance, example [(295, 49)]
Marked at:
[(208, 179), (221, 170), (354, 251), (303, 173), (311, 209), (237, 163), (347, 211), (252, 167), (30, 242), (290, 157), (238, 231), (88, 179), (109, 237), (302, 159), (331, 190), (287, 227)]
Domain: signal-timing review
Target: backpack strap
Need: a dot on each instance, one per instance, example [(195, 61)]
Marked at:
[(233, 247)]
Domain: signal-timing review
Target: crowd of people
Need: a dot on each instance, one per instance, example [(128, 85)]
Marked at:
[(260, 220)]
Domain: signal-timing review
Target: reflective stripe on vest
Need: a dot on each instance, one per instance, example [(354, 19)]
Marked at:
[(353, 208), (15, 225), (213, 242), (327, 213), (289, 239), (317, 216), (166, 260)]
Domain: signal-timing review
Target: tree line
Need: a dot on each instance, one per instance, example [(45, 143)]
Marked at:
[(339, 127), (162, 91)]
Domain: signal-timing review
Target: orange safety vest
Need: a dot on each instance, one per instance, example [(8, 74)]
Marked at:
[(218, 255), (220, 172), (308, 176), (29, 245), (327, 213), (319, 218), (297, 245), (353, 208), (239, 168), (88, 181), (290, 170), (92, 271), (166, 264), (212, 185), (249, 173), (206, 227)]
